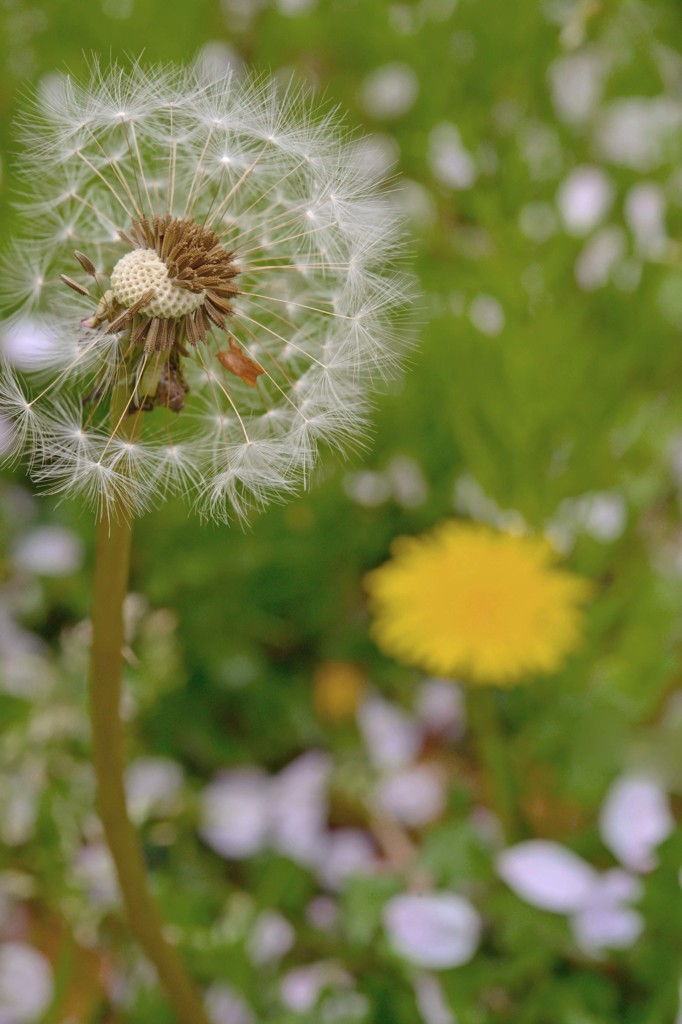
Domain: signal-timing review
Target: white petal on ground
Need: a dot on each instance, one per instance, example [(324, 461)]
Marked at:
[(413, 796), (635, 818), (298, 809), (322, 913), (346, 852), (301, 987), (617, 886), (548, 875), (271, 938), (26, 984), (600, 258), (607, 926), (636, 131), (606, 922), (20, 793), (577, 82), (645, 210), (431, 1001), (235, 812), (367, 488), (487, 315), (49, 551), (583, 199), (410, 488), (391, 736), (153, 785), (225, 1005), (436, 930), (451, 163), (94, 871), (390, 91), (28, 344), (441, 707)]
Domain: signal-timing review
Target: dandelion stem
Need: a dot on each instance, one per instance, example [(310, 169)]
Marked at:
[(498, 780), (110, 585)]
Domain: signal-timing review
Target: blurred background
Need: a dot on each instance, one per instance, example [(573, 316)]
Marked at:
[(293, 787)]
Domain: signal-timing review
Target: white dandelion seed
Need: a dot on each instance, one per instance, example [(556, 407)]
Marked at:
[(213, 251)]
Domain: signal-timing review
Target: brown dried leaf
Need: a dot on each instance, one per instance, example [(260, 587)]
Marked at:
[(234, 360)]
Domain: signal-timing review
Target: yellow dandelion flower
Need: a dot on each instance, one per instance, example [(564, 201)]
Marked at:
[(467, 600)]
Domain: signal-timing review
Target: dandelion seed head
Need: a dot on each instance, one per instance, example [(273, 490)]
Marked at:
[(212, 260)]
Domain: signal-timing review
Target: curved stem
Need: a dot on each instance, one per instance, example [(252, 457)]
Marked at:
[(106, 665)]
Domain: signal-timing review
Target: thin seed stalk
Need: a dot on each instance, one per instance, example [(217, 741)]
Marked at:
[(112, 563), (491, 747)]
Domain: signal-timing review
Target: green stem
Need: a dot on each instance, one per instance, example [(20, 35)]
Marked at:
[(106, 666), (494, 756)]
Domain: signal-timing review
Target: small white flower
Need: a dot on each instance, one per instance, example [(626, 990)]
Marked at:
[(227, 257), (436, 930)]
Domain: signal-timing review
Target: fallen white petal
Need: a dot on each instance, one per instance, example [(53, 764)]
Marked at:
[(548, 875), (436, 930), (635, 818), (26, 984), (392, 738), (607, 926), (413, 796), (235, 812)]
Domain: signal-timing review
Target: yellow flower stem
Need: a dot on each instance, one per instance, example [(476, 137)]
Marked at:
[(106, 665), (489, 741)]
